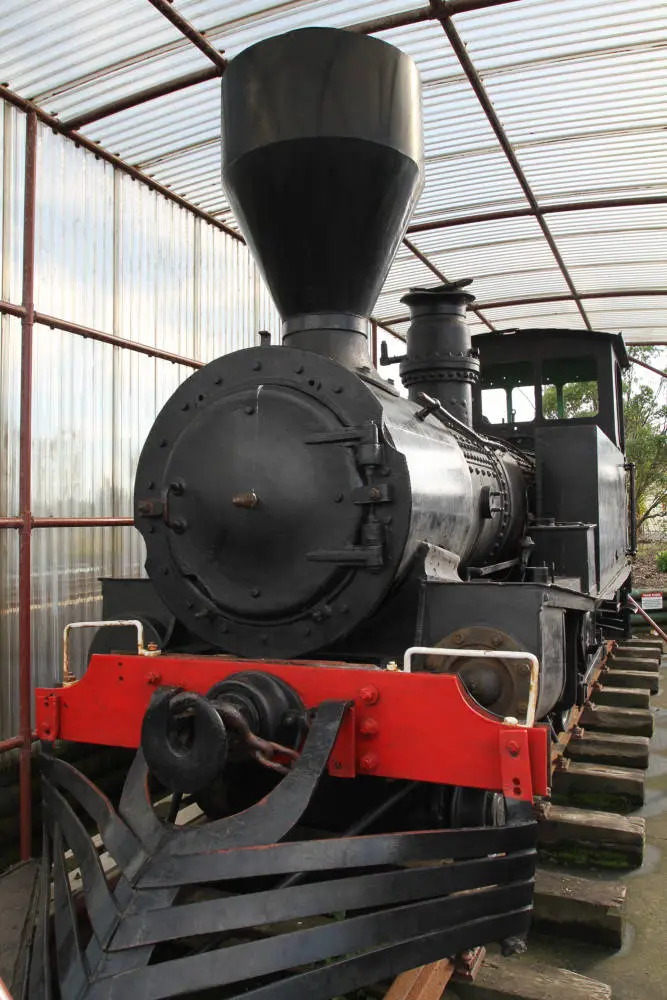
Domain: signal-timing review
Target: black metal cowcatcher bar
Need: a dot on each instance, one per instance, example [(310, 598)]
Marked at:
[(389, 917)]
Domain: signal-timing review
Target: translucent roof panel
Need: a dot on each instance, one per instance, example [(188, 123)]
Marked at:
[(407, 271), (538, 30), (505, 258), (593, 239), (71, 55), (640, 320), (551, 315), (162, 127), (424, 42), (580, 91), (235, 25)]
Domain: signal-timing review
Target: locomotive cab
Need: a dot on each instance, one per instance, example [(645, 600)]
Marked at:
[(558, 393)]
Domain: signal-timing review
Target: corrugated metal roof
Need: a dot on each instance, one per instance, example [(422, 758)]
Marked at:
[(579, 90)]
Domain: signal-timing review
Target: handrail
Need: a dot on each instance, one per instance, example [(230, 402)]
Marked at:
[(529, 658)]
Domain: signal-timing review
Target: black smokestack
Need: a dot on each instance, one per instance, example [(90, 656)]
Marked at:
[(322, 164)]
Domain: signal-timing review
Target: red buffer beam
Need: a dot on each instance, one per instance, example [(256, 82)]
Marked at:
[(418, 726)]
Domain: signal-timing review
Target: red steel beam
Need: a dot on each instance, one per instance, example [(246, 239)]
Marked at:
[(523, 213), (494, 121), (12, 744), (11, 308), (190, 32), (25, 485), (530, 300), (108, 338), (82, 522), (68, 522), (140, 97), (620, 293), (56, 323), (650, 368)]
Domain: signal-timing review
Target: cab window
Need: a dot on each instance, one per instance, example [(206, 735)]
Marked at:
[(569, 388)]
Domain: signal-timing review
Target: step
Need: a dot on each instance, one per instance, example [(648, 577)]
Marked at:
[(649, 681), (607, 718), (622, 697), (589, 838), (514, 979), (585, 909), (615, 749), (599, 786)]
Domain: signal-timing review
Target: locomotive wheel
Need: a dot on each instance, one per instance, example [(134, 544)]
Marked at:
[(500, 686), (477, 807)]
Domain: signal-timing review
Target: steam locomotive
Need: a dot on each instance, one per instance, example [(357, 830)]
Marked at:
[(365, 616)]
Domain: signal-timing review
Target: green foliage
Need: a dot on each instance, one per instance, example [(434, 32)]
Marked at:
[(661, 560), (646, 437)]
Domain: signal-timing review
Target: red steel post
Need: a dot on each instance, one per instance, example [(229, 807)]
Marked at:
[(25, 490), (12, 744)]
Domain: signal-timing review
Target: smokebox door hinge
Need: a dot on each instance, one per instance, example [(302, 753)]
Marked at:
[(380, 493), (370, 556)]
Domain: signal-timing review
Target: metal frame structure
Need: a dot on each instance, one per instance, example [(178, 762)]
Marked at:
[(441, 11)]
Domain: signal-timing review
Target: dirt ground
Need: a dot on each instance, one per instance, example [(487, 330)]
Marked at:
[(645, 573)]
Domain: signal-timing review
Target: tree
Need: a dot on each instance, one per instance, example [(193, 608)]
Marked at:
[(646, 438), (578, 399)]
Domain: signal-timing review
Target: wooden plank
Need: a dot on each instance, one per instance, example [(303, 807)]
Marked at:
[(509, 980), (621, 697), (427, 982), (652, 665), (582, 908), (606, 718), (641, 641), (590, 838), (643, 679), (636, 653), (602, 748), (599, 786)]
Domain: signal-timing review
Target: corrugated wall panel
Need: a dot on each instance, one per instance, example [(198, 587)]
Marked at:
[(227, 295), (73, 261), (72, 436), (10, 375), (155, 269), (11, 201), (9, 628)]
